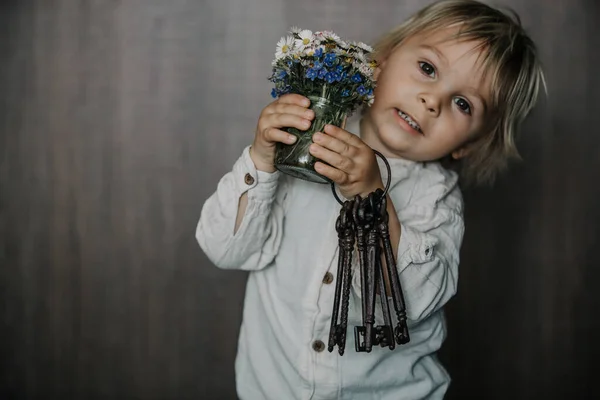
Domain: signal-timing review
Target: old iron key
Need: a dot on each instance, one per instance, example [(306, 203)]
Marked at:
[(346, 237), (367, 240), (401, 330), (365, 221), (383, 333)]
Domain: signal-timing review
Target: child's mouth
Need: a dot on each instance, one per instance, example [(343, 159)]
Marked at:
[(409, 120)]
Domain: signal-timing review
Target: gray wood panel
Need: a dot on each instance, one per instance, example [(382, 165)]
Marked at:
[(117, 119)]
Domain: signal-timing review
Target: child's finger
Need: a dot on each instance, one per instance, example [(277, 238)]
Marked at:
[(342, 135), (276, 135), (336, 175), (291, 109), (332, 158), (285, 120), (293, 98), (290, 121), (334, 144)]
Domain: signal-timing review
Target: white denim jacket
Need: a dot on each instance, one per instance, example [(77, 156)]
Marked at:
[(288, 242)]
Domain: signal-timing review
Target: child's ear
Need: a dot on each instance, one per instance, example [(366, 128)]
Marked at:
[(468, 147), (463, 151), (380, 65)]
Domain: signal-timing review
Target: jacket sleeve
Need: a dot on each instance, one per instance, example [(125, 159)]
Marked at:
[(432, 230), (428, 258), (257, 240)]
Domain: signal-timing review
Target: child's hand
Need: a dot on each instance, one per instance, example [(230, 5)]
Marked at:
[(289, 111), (352, 164)]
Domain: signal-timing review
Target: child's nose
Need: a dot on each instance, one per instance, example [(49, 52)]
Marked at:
[(430, 104)]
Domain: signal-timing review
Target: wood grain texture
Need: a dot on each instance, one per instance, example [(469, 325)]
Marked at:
[(118, 118)]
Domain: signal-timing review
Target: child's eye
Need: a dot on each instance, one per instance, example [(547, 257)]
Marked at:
[(427, 69), (463, 105)]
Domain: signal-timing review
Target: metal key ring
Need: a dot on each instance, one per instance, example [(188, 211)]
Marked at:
[(387, 186)]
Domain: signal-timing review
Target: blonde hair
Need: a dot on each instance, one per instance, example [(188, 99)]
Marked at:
[(511, 56)]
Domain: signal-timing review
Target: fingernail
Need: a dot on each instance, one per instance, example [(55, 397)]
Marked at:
[(316, 136), (306, 123), (291, 139), (308, 114)]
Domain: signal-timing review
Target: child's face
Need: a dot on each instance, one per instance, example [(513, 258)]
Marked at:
[(437, 84)]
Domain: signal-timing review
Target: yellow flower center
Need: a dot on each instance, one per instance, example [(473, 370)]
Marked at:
[(305, 41), (285, 48)]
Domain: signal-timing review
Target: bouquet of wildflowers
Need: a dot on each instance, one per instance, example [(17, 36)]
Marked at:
[(337, 76), (321, 64)]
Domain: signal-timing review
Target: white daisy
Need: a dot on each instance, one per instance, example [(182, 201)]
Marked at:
[(284, 47), (342, 44), (305, 39), (364, 46), (294, 30), (366, 70), (318, 38), (341, 52), (309, 51), (332, 36), (360, 57)]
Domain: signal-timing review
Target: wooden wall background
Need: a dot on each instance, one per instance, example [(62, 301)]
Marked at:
[(118, 117)]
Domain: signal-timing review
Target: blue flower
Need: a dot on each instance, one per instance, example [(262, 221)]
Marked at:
[(340, 68), (337, 76), (318, 52), (289, 63), (311, 74), (356, 78), (361, 90), (281, 74), (318, 65), (322, 73), (345, 93), (330, 77), (330, 59), (274, 93)]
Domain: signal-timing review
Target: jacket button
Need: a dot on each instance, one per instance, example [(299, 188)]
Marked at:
[(318, 346), (328, 278), (248, 179)]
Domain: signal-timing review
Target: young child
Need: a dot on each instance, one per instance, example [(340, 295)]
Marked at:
[(453, 84)]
